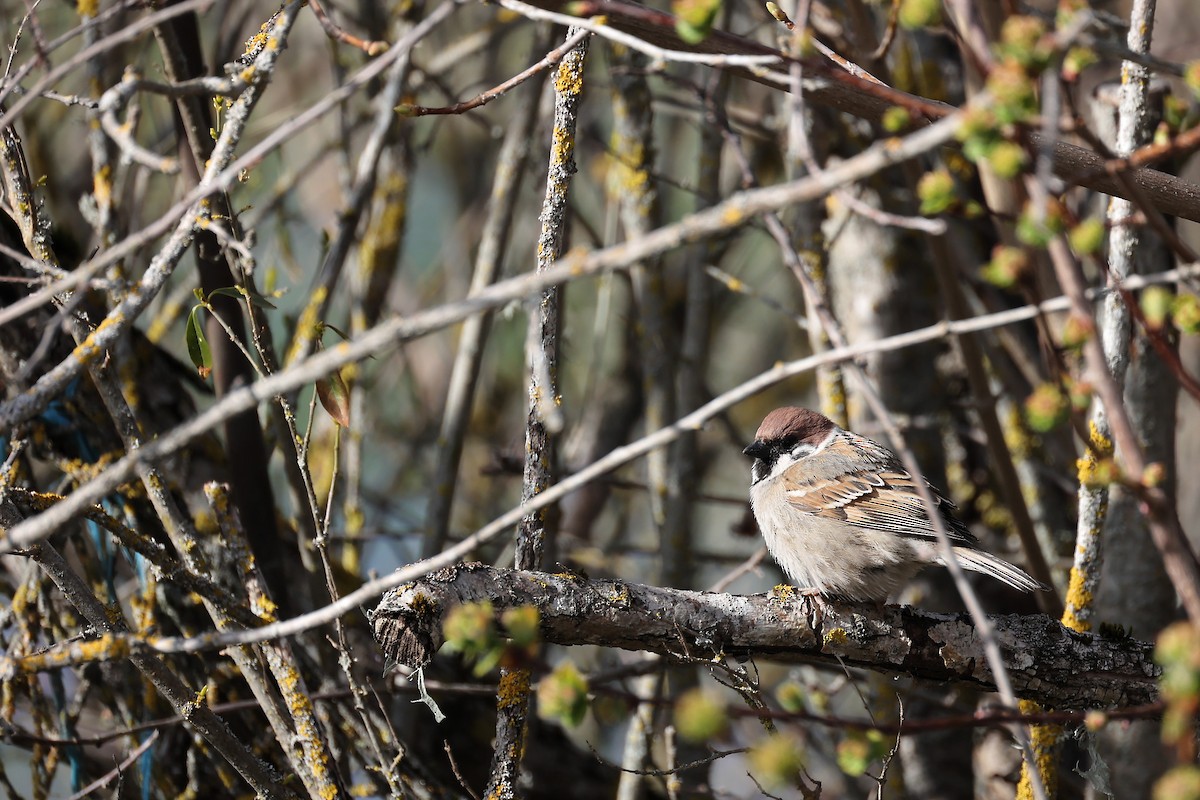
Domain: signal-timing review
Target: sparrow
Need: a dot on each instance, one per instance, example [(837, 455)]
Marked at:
[(843, 518)]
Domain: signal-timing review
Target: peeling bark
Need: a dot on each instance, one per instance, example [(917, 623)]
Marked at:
[(1048, 663)]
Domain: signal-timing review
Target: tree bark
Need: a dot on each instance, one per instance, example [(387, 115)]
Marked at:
[(1048, 663)]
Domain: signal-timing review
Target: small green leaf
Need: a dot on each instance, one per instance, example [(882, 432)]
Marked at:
[(1076, 331), (790, 696), (1087, 237), (1076, 60), (563, 695), (1007, 267), (896, 119), (522, 624), (1185, 313), (470, 629), (920, 13), (1046, 408), (977, 122), (1013, 93), (691, 34), (242, 293), (1178, 651), (487, 661), (1007, 159), (1156, 304), (777, 759), (858, 749), (694, 18), (1023, 39), (1154, 475), (1037, 229), (1191, 76), (197, 344), (1181, 783), (1079, 394), (325, 326), (699, 716), (259, 300), (335, 398), (936, 190)]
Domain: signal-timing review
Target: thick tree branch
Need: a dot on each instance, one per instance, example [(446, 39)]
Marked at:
[(1047, 662)]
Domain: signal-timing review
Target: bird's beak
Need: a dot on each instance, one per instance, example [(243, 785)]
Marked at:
[(757, 449)]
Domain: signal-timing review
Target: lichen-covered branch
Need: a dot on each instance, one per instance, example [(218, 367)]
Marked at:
[(1045, 661), (544, 419)]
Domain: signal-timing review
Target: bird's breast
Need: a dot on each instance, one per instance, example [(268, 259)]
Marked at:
[(829, 555)]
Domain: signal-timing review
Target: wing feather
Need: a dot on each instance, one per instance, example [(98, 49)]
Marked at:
[(882, 496)]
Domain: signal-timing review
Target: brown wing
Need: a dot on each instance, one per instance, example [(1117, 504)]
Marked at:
[(881, 496)]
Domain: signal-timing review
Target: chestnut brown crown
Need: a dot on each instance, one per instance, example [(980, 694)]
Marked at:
[(794, 424)]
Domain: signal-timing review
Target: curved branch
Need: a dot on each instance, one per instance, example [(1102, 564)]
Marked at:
[(1046, 662)]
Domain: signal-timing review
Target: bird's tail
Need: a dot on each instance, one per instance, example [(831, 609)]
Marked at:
[(988, 564)]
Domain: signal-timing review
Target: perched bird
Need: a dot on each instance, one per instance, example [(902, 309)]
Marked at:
[(842, 516)]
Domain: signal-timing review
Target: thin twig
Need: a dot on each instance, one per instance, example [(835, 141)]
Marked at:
[(747, 566), (116, 771), (660, 54), (338, 33), (483, 98), (889, 33), (457, 772)]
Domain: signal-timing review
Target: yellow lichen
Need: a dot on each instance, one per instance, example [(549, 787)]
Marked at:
[(783, 592), (513, 689), (836, 636), (732, 216), (266, 609), (88, 349), (102, 186), (107, 647), (569, 80), (1078, 599), (1100, 442), (1044, 743), (421, 603)]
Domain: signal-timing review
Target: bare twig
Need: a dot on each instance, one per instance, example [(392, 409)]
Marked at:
[(483, 98), (116, 771), (340, 34)]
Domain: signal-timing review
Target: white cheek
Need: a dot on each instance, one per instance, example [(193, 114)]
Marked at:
[(783, 464), (802, 450)]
